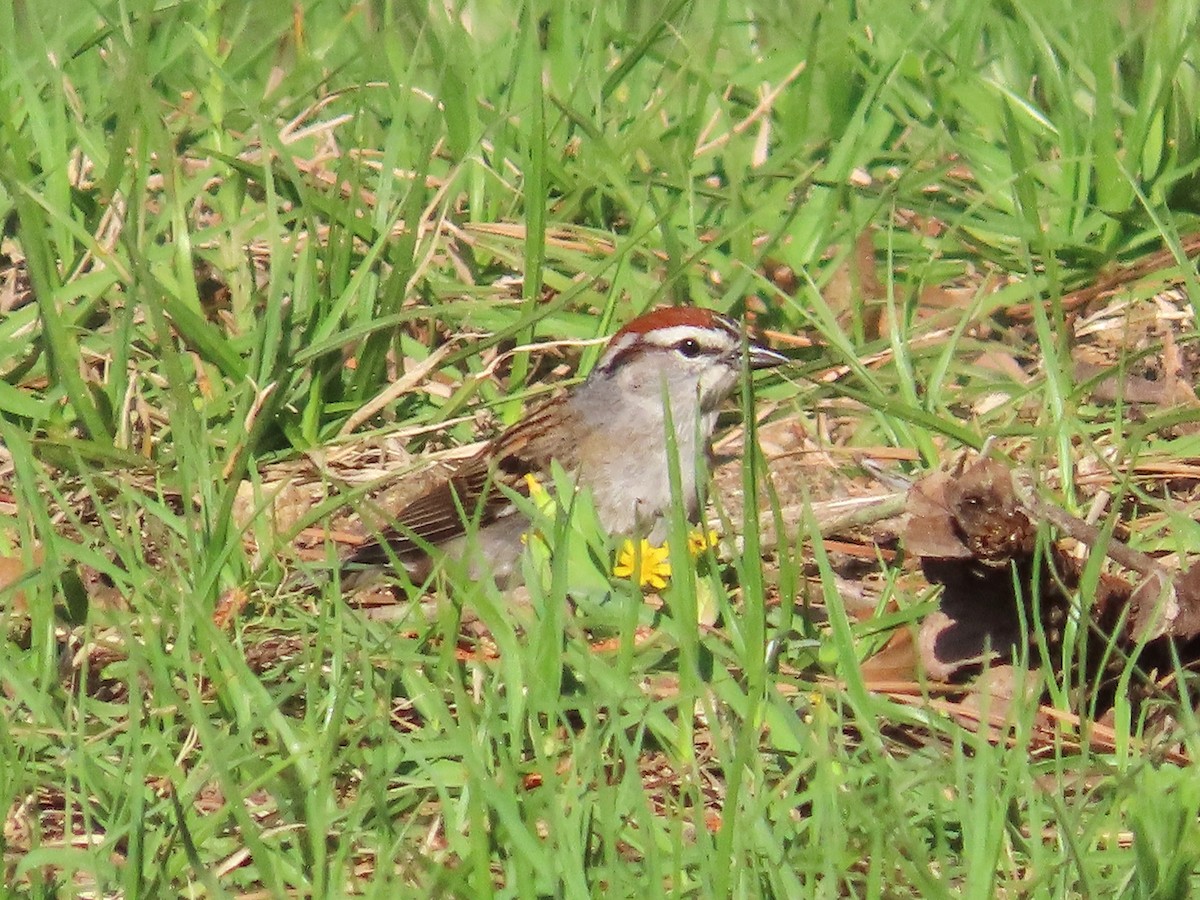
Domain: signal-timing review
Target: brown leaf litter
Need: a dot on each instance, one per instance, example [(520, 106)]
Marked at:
[(982, 532)]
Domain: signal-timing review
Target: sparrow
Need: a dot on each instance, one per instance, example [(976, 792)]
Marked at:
[(609, 432)]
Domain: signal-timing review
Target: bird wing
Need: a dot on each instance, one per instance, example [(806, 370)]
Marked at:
[(471, 493)]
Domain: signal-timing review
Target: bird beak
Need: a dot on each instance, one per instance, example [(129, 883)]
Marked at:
[(764, 358)]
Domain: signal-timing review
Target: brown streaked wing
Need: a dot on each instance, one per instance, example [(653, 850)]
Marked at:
[(441, 513)]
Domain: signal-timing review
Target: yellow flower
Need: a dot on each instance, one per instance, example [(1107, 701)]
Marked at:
[(539, 495), (700, 539), (542, 502), (653, 564)]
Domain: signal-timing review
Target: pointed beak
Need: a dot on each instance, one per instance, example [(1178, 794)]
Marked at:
[(764, 358)]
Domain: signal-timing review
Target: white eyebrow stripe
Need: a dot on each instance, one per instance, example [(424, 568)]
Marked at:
[(616, 349), (731, 328), (706, 337), (622, 343)]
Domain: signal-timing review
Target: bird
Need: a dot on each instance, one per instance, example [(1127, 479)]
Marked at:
[(608, 432)]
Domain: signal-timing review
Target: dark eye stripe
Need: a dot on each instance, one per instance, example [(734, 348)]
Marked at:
[(704, 340), (718, 338)]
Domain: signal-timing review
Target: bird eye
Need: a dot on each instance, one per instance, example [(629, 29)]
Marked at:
[(689, 347)]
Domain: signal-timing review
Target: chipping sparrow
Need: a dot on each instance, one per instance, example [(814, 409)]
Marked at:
[(609, 432)]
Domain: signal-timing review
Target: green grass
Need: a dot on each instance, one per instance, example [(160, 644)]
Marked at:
[(370, 180)]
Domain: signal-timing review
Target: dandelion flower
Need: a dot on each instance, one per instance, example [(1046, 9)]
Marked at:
[(700, 539), (648, 565)]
